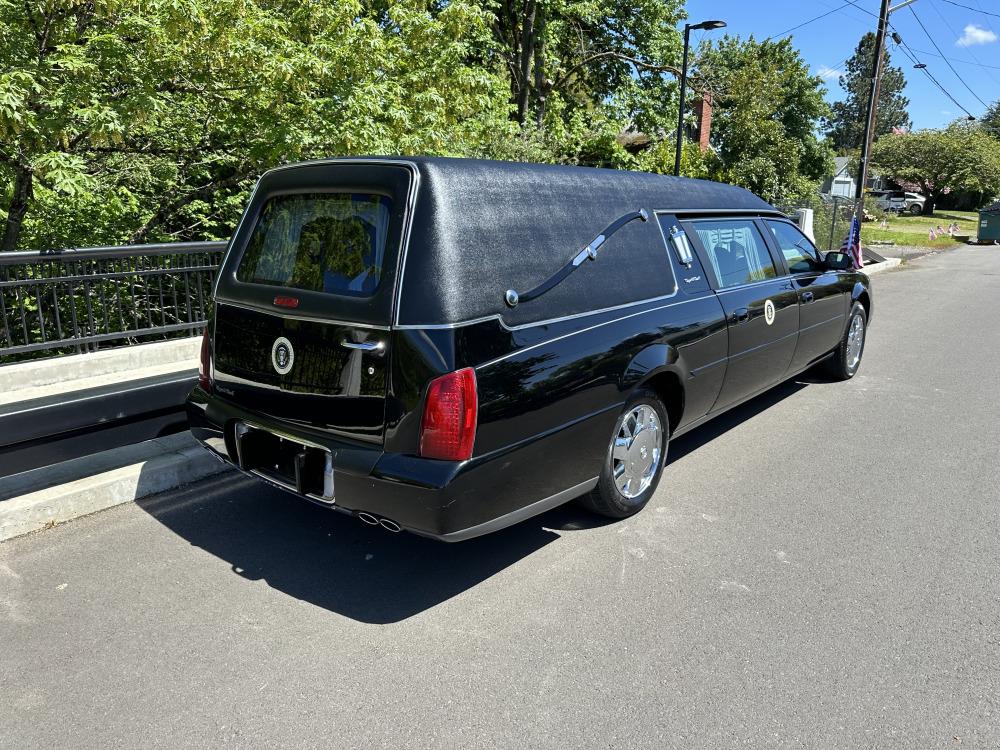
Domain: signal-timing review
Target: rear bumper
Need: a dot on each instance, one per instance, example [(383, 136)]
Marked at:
[(440, 499)]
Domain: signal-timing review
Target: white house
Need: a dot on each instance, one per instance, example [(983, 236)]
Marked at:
[(842, 184)]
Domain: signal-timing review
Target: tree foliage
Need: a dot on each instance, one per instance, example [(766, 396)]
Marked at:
[(767, 109), (959, 157), (583, 53), (990, 120), (846, 124), (143, 120)]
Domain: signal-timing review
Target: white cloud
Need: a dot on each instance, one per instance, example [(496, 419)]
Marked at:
[(827, 73), (975, 35)]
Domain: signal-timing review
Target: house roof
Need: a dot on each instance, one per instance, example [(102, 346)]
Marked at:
[(840, 164)]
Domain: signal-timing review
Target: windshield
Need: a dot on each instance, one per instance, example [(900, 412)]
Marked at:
[(321, 242)]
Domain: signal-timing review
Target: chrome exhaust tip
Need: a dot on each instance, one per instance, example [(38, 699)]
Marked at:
[(368, 518), (389, 525)]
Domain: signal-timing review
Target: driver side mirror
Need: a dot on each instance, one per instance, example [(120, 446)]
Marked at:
[(836, 261)]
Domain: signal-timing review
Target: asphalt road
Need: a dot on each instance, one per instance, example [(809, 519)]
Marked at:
[(818, 569)]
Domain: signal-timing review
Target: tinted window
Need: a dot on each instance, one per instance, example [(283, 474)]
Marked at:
[(798, 250), (736, 251), (322, 242)]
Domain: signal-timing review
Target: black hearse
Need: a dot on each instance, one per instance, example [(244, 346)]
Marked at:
[(450, 346)]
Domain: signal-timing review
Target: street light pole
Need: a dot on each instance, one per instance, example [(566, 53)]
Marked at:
[(684, 71), (680, 103)]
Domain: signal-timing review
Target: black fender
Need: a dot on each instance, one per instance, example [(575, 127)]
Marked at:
[(861, 293), (661, 366)]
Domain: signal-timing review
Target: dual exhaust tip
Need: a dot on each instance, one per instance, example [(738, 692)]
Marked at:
[(386, 523)]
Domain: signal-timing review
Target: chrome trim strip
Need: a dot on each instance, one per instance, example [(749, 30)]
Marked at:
[(449, 326), (822, 323), (784, 277), (404, 250), (523, 326), (521, 514), (696, 370), (365, 346), (766, 344), (722, 213), (524, 349), (283, 314)]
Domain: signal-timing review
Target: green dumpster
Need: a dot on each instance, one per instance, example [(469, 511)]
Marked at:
[(989, 223)]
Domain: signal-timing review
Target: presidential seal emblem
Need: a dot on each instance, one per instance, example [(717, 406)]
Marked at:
[(282, 355), (769, 312)]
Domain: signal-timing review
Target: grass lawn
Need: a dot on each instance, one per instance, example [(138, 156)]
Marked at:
[(913, 230)]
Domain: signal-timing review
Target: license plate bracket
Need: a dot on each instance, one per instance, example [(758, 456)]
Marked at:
[(295, 465)]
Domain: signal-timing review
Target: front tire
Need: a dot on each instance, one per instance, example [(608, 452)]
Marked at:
[(635, 458), (846, 359), (916, 209)]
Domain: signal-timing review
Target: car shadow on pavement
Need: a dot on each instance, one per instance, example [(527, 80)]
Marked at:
[(329, 559), (335, 562)]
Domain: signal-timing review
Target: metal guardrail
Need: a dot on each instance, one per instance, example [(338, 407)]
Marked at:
[(73, 301), (64, 426)]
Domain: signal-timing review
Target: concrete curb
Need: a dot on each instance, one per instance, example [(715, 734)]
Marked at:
[(56, 370), (883, 266), (63, 502)]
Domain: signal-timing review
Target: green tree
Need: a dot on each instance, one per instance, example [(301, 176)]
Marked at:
[(959, 157), (566, 55), (846, 124), (991, 119), (767, 108), (135, 120)]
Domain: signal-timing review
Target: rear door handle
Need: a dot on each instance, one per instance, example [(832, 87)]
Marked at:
[(807, 296), (365, 346), (740, 315)]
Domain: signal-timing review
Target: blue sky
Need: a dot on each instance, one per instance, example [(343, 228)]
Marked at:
[(968, 37)]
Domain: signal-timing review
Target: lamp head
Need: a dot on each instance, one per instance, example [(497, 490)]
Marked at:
[(708, 25)]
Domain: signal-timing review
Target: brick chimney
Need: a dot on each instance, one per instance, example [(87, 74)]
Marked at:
[(703, 116)]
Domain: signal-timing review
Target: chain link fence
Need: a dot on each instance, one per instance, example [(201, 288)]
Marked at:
[(831, 218)]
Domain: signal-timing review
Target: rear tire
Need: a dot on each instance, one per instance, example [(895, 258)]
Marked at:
[(846, 359), (635, 458)]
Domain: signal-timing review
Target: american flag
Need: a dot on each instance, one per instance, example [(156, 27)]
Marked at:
[(852, 243)]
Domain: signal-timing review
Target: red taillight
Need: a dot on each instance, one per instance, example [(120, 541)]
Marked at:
[(450, 414), (281, 301), (205, 363)]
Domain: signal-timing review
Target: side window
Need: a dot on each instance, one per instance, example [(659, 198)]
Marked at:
[(799, 252), (736, 251)]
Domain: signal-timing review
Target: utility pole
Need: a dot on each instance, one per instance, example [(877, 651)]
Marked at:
[(870, 117), (866, 142)]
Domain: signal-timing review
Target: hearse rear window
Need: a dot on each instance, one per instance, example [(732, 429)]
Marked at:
[(321, 242)]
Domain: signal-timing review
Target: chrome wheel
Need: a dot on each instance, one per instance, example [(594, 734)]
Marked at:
[(855, 341), (635, 453)]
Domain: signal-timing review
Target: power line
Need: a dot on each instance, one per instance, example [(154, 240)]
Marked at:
[(913, 58), (955, 59), (811, 20), (946, 60), (969, 7), (952, 29)]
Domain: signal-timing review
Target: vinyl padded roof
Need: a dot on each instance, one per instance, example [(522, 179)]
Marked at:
[(481, 227)]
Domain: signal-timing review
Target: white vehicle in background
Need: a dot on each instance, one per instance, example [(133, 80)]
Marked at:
[(898, 201)]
